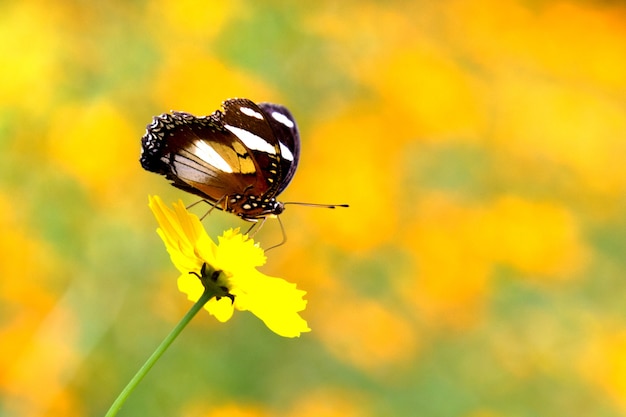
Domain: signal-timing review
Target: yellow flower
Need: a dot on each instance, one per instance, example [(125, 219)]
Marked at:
[(229, 269)]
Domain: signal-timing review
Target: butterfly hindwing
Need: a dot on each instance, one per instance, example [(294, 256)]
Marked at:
[(197, 155), (286, 133)]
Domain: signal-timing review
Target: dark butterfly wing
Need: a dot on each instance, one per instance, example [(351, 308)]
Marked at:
[(244, 119), (286, 133), (199, 155), (238, 159)]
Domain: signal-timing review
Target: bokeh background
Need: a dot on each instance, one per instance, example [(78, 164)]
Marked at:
[(480, 270)]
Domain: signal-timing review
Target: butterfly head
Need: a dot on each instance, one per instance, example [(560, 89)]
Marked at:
[(253, 208)]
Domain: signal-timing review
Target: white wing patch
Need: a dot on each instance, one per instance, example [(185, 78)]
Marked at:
[(281, 118), (285, 152), (206, 153), (251, 140), (251, 112)]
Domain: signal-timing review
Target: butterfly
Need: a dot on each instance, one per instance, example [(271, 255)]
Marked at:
[(238, 158)]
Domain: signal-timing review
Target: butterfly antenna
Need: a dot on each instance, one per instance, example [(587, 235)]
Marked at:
[(280, 222), (330, 206)]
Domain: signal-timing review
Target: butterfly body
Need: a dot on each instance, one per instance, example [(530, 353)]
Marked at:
[(239, 158)]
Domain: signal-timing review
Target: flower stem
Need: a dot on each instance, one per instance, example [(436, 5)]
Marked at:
[(132, 384)]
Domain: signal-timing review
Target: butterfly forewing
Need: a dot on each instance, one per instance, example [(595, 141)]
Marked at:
[(246, 120), (198, 156)]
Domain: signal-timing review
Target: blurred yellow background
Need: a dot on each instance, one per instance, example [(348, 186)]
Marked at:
[(479, 272)]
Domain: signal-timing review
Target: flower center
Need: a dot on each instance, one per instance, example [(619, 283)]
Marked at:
[(209, 279)]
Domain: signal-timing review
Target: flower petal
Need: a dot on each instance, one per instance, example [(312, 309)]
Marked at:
[(184, 236), (221, 309), (273, 300), (190, 285), (237, 252)]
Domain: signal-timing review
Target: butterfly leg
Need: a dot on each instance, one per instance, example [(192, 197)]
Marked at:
[(196, 203), (256, 226), (213, 206), (282, 229)]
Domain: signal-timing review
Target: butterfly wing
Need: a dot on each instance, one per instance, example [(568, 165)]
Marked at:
[(198, 155), (286, 133), (231, 153), (244, 119)]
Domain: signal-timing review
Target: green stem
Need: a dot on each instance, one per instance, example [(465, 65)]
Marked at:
[(132, 384)]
